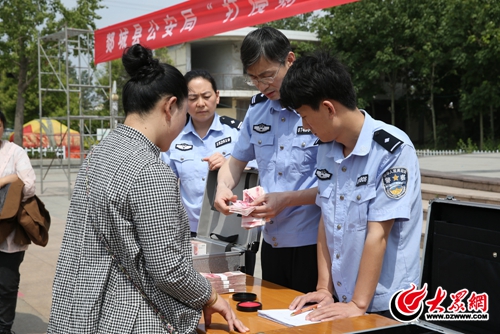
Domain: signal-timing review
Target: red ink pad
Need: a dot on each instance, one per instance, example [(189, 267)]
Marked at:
[(248, 306), (244, 296)]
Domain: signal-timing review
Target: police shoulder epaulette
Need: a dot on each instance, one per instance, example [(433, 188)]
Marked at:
[(258, 99), (234, 123), (386, 140)]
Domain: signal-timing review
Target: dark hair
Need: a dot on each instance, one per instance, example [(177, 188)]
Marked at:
[(314, 78), (149, 81), (266, 42), (193, 74), (3, 119)]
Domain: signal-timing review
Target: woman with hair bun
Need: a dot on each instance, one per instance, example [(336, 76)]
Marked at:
[(125, 264)]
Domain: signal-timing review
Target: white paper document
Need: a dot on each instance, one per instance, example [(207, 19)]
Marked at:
[(283, 316)]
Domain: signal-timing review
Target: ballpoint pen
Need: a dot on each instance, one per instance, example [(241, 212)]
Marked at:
[(305, 309)]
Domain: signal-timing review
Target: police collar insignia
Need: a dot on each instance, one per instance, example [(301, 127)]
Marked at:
[(302, 131), (362, 180), (395, 182), (323, 174), (224, 141), (184, 147), (262, 128), (318, 142)]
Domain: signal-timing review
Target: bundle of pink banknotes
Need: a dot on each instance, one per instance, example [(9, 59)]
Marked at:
[(244, 208)]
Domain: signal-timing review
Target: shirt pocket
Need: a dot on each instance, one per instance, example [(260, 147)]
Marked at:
[(264, 150), (359, 200), (184, 163), (325, 190), (304, 153)]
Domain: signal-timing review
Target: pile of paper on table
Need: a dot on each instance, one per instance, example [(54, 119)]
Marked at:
[(228, 282)]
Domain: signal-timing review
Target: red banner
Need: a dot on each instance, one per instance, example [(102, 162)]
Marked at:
[(195, 19)]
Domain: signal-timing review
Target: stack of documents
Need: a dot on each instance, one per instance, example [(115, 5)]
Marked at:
[(284, 317), (228, 282)]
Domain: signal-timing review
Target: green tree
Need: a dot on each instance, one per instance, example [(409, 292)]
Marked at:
[(475, 26), (21, 23), (374, 38), (300, 22)]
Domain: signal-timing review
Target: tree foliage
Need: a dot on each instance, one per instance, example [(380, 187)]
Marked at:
[(21, 23), (433, 60)]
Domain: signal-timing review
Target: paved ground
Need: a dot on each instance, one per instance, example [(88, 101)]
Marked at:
[(37, 270)]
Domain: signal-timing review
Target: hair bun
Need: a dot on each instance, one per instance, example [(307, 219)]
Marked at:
[(139, 62)]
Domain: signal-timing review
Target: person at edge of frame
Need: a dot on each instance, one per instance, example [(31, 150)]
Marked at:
[(14, 163), (204, 144), (125, 264), (368, 190), (286, 157)]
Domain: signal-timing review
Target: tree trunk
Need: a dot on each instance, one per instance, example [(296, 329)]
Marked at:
[(408, 112), (393, 108), (433, 111), (481, 129), (23, 83), (492, 124)]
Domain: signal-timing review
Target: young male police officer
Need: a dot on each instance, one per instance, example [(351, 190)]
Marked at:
[(368, 190), (286, 159)]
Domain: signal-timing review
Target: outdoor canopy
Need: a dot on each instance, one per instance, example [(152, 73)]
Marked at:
[(51, 132), (191, 20)]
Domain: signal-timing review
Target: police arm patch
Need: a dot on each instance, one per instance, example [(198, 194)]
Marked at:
[(395, 181)]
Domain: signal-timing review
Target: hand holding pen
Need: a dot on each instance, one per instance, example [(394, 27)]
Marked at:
[(304, 309)]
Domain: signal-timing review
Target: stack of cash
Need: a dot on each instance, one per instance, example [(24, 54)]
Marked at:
[(244, 208), (228, 282), (198, 247)]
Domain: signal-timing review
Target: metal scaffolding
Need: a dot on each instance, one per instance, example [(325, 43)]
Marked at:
[(66, 66)]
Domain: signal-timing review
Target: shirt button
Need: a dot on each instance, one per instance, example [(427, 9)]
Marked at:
[(260, 141), (223, 153), (338, 256), (203, 179), (283, 119), (275, 244), (303, 145), (274, 238), (280, 173), (282, 147), (341, 197), (358, 197), (344, 298), (344, 168), (339, 284), (271, 222), (182, 159), (339, 227)]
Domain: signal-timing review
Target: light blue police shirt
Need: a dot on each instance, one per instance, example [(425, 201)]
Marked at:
[(185, 158), (373, 183), (286, 159)]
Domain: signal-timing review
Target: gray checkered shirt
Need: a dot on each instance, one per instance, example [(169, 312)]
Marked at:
[(134, 198)]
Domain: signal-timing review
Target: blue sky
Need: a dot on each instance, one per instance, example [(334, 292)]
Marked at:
[(121, 10)]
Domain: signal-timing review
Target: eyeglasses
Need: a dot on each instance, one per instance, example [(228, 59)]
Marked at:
[(264, 80)]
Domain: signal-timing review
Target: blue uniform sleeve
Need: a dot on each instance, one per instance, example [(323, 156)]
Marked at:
[(397, 187), (243, 150)]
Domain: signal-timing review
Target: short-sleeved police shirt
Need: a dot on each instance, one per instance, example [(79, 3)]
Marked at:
[(378, 181), (286, 157)]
